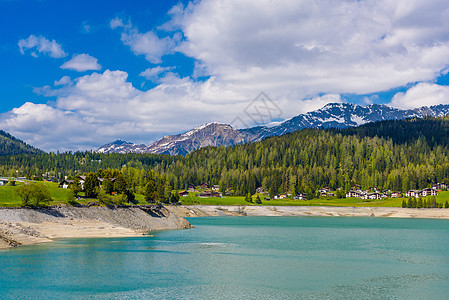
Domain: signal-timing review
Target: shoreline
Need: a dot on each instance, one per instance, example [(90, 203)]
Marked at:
[(322, 211), (26, 226)]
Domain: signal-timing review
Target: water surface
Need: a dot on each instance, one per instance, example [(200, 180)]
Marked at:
[(242, 257)]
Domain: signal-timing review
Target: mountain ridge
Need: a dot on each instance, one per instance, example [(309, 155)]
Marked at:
[(332, 115)]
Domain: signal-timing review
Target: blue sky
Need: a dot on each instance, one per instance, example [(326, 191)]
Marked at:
[(77, 74)]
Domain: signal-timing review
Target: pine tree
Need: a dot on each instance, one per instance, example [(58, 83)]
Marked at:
[(420, 203), (248, 198), (90, 185)]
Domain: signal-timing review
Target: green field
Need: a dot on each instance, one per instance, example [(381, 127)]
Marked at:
[(9, 198)]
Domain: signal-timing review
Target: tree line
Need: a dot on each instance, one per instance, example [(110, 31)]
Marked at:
[(395, 155)]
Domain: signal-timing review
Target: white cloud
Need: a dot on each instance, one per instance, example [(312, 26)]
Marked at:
[(48, 128), (311, 47), (86, 28), (63, 81), (81, 63), (148, 44), (153, 73), (427, 94), (41, 45), (118, 22)]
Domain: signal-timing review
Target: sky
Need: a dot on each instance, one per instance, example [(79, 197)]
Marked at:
[(78, 74)]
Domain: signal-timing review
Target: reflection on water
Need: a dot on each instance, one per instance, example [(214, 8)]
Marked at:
[(242, 257)]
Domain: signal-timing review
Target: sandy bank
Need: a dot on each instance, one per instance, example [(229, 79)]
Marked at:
[(394, 212), (30, 226)]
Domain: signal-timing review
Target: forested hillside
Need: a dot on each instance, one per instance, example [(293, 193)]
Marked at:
[(10, 145), (396, 155), (435, 131)]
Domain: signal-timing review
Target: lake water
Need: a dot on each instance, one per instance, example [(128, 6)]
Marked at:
[(242, 258)]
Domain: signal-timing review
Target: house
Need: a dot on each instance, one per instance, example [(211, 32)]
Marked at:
[(183, 194), (323, 191), (216, 194), (300, 196), (65, 184), (82, 179), (3, 181), (205, 194), (356, 187), (216, 187), (267, 199), (439, 186), (204, 186), (373, 196), (228, 193), (395, 195), (373, 189), (412, 193), (260, 190), (283, 196), (428, 192), (100, 180), (353, 194)]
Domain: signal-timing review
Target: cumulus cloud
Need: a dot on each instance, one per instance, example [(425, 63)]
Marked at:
[(118, 22), (40, 45), (153, 73), (63, 81), (148, 43), (427, 94), (81, 63), (48, 128), (312, 47)]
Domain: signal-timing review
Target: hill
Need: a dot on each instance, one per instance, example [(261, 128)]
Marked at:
[(10, 145)]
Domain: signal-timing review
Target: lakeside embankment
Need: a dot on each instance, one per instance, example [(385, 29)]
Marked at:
[(394, 212), (26, 226)]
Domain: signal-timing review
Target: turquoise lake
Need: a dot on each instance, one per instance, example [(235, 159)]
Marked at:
[(242, 258)]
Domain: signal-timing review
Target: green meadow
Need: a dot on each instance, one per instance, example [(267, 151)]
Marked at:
[(10, 198)]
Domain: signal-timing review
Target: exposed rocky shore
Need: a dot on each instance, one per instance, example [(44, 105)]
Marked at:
[(395, 212), (25, 226)]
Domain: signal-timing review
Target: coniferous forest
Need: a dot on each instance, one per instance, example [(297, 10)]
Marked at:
[(395, 155)]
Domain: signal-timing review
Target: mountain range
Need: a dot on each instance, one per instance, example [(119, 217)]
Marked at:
[(333, 115)]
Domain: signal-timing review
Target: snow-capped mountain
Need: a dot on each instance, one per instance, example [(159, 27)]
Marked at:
[(341, 115), (333, 115), (211, 134), (120, 146)]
